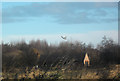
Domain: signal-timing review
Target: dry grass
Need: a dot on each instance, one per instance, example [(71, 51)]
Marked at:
[(85, 73)]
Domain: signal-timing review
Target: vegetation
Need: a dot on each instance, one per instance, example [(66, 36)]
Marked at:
[(64, 61)]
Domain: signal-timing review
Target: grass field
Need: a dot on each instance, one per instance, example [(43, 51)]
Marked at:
[(110, 72)]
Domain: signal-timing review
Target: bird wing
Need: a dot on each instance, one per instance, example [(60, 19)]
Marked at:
[(63, 37)]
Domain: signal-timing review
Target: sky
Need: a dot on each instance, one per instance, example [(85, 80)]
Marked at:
[(80, 21)]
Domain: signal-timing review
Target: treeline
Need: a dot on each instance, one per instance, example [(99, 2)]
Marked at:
[(66, 55)]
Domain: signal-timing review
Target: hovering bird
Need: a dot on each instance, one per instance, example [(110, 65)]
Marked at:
[(64, 37)]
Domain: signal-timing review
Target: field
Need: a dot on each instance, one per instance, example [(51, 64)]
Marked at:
[(110, 72), (38, 60)]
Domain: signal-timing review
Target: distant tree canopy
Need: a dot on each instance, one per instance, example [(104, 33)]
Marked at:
[(66, 54), (109, 51)]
